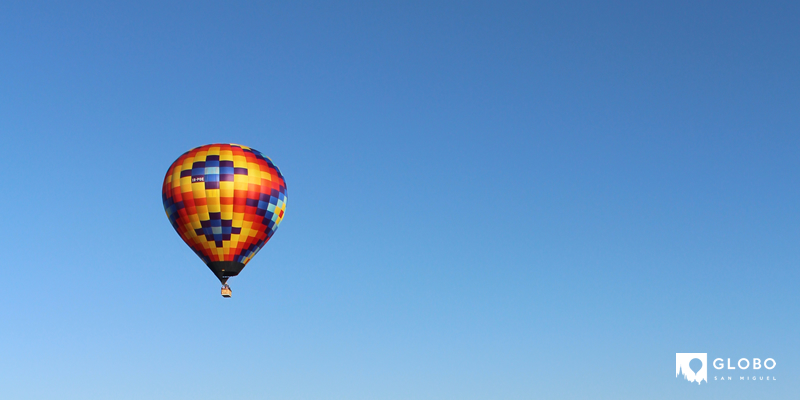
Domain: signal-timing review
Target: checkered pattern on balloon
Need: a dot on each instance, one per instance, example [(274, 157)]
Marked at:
[(225, 201)]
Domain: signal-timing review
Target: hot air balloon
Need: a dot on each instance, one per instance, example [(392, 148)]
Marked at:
[(225, 201)]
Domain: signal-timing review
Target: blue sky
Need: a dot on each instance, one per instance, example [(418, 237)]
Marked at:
[(486, 200)]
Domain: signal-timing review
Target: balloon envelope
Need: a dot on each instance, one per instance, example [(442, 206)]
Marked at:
[(225, 201)]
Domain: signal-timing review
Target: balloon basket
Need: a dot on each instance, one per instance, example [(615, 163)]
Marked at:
[(226, 291)]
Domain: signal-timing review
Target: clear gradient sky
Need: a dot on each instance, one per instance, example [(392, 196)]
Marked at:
[(486, 200)]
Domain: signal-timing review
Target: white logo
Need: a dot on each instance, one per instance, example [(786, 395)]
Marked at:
[(692, 366)]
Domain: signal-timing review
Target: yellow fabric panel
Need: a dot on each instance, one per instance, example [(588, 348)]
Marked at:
[(199, 190), (212, 200), (226, 189), (226, 211)]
